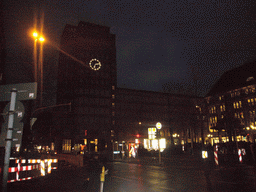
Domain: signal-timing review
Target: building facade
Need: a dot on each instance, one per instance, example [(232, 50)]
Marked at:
[(137, 113), (233, 97), (87, 79)]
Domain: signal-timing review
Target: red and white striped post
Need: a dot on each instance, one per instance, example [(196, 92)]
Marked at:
[(240, 156), (216, 155)]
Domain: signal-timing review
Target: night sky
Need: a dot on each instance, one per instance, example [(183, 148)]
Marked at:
[(175, 46)]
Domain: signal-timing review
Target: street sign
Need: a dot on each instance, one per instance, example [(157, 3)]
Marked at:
[(25, 91), (17, 125)]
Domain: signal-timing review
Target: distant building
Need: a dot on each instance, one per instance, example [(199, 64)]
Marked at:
[(138, 111), (234, 95), (87, 79)]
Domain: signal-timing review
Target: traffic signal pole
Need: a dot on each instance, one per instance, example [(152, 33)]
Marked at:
[(9, 139), (159, 146)]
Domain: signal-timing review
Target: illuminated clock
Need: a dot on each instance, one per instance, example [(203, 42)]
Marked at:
[(95, 64)]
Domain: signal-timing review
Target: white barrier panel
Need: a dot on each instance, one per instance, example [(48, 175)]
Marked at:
[(204, 154), (39, 165)]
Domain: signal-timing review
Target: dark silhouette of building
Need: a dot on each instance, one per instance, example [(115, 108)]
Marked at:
[(87, 80), (2, 46)]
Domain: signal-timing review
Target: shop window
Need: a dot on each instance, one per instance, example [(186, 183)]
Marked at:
[(66, 146)]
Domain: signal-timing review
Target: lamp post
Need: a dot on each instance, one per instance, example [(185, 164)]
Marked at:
[(38, 62), (159, 126)]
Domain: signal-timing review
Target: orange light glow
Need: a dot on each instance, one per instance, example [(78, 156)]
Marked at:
[(35, 34), (41, 39)]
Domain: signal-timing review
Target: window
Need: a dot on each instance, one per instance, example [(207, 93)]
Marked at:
[(213, 109), (113, 96), (222, 108), (66, 146), (242, 115), (237, 104)]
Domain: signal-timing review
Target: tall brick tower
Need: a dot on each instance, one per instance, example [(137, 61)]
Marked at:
[(87, 79)]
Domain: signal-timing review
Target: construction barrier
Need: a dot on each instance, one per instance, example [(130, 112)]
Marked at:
[(30, 169)]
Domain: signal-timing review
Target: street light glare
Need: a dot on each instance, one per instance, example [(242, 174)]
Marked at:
[(41, 39), (35, 34)]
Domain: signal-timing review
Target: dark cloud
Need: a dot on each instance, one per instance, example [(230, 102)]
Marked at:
[(181, 42)]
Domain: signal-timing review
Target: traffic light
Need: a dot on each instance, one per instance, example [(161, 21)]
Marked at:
[(138, 135)]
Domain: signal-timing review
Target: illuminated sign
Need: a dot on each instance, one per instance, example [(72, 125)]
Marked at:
[(151, 133)]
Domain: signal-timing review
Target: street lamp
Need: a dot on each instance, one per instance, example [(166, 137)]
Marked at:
[(159, 126), (38, 62)]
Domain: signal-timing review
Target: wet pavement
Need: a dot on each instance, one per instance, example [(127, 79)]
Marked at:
[(179, 173)]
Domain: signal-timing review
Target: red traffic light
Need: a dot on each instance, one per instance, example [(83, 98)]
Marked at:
[(137, 135)]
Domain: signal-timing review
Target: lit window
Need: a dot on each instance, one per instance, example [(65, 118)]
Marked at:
[(234, 105), (113, 96), (113, 87), (113, 104), (240, 104), (242, 115)]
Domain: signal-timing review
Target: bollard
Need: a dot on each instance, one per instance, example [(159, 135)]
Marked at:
[(216, 158), (240, 156), (102, 178)]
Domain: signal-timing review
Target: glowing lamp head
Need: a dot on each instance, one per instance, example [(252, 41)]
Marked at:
[(138, 135), (35, 34), (158, 125), (41, 39)]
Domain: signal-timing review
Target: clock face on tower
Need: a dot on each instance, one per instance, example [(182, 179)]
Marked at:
[(95, 64)]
